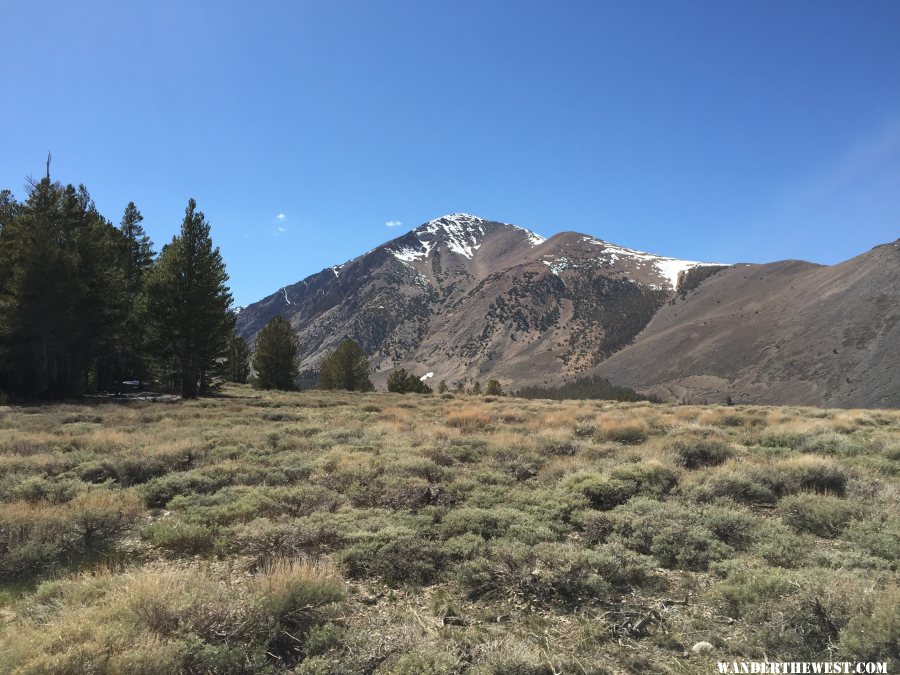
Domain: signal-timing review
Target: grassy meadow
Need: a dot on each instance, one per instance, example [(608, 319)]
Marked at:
[(336, 533)]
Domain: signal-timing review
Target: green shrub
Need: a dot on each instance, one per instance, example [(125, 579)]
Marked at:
[(694, 453), (159, 491), (426, 662), (671, 533), (602, 492), (813, 474), (34, 489), (688, 548), (779, 545), (874, 635), (623, 483), (817, 514), (742, 486), (745, 590), (34, 537), (396, 557), (553, 572), (649, 478), (879, 536), (730, 523), (180, 537), (486, 523)]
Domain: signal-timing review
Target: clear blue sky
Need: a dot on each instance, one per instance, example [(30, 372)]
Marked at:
[(719, 130)]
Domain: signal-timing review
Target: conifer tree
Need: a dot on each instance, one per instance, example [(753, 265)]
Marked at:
[(347, 367), (494, 388), (138, 259), (237, 363), (60, 282), (402, 382), (442, 387), (275, 360), (187, 303)]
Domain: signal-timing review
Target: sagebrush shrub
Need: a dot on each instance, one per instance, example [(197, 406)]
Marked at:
[(822, 515), (694, 453)]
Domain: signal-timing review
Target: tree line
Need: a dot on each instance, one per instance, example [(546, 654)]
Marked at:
[(87, 305)]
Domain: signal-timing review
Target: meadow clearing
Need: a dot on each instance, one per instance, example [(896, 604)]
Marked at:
[(323, 532)]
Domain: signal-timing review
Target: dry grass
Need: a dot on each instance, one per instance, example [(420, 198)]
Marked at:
[(376, 533)]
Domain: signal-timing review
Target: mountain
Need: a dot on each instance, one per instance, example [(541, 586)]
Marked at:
[(465, 297), (784, 332)]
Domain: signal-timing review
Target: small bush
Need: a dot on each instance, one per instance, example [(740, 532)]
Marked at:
[(822, 515), (730, 523), (396, 558), (557, 573), (687, 548), (879, 536), (742, 486), (814, 474), (34, 537), (628, 432), (180, 537), (671, 533), (602, 492), (694, 453)]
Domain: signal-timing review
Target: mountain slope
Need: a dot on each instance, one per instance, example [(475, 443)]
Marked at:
[(786, 332), (466, 297)]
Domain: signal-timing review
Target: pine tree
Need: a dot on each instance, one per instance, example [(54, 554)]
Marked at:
[(140, 249), (494, 388), (8, 207), (138, 260), (237, 361), (187, 303), (275, 360), (442, 387), (402, 382), (60, 280), (476, 388), (347, 367)]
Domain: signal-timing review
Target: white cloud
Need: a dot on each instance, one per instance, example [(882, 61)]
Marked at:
[(281, 229), (393, 223), (281, 216)]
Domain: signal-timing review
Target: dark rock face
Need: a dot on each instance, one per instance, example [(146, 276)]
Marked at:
[(464, 297)]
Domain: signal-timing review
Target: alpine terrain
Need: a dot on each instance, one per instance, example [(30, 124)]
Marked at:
[(465, 298)]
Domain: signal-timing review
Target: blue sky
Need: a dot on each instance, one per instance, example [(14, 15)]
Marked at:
[(721, 130)]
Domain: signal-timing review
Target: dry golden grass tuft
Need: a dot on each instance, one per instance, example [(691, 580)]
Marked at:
[(469, 419)]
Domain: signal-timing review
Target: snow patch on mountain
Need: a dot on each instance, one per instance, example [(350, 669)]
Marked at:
[(558, 264), (533, 239), (461, 232), (409, 254), (668, 268)]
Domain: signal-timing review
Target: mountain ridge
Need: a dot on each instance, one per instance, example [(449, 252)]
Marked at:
[(469, 298)]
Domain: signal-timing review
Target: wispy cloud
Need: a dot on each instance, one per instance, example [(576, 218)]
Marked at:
[(281, 229), (393, 223), (280, 216)]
